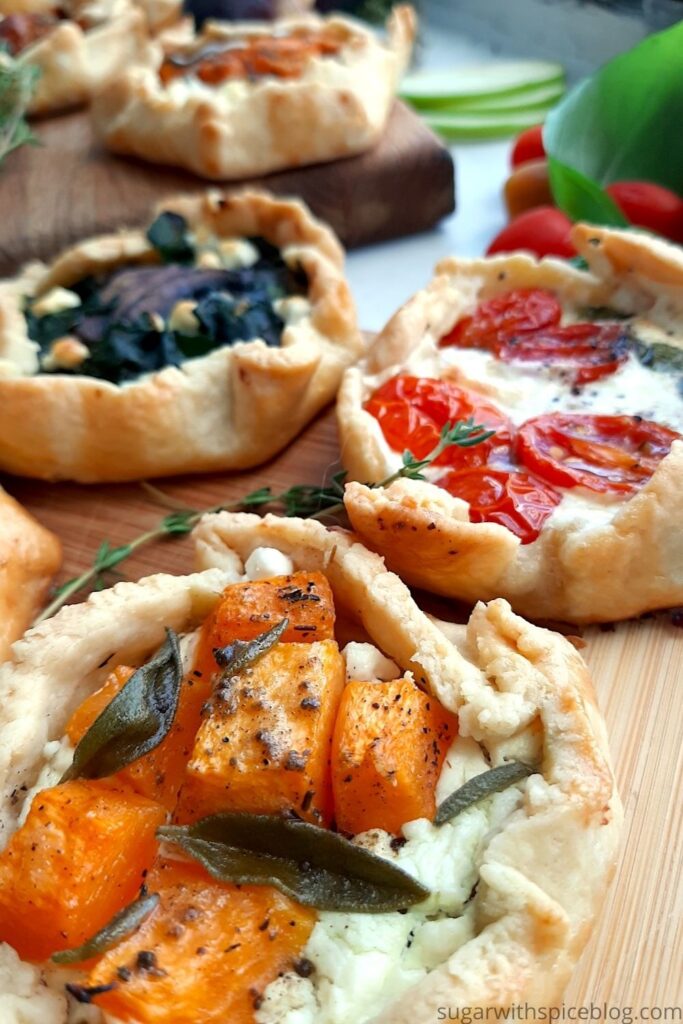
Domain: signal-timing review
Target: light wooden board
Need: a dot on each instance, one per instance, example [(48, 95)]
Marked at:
[(635, 958), (69, 188)]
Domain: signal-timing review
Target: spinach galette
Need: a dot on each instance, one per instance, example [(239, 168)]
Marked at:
[(276, 792), (205, 342), (76, 45)]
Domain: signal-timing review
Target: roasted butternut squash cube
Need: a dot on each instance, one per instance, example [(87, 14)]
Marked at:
[(205, 954), (248, 609), (390, 741), (80, 857), (264, 746), (159, 774)]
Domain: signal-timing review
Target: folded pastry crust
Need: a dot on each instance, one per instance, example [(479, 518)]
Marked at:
[(519, 690), (591, 572), (337, 107), (29, 557), (79, 55), (231, 409)]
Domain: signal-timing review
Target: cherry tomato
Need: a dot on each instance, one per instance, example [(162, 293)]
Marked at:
[(528, 146), (498, 319), (528, 187), (543, 231), (412, 411), (609, 454), (516, 500), (650, 206), (587, 351)]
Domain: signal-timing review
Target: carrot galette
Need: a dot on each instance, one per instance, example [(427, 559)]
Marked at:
[(276, 791), (205, 342), (76, 45), (570, 508), (246, 99)]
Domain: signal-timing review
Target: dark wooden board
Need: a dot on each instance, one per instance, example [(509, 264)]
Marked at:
[(69, 187)]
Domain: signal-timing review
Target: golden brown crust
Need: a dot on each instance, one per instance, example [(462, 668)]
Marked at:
[(544, 874), (75, 61), (232, 409), (622, 564), (337, 108), (29, 558)]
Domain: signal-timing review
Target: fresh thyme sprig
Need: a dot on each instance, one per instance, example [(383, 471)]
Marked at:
[(304, 500), (17, 83)]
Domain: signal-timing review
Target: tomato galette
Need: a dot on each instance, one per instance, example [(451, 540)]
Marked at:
[(246, 99), (277, 792), (29, 557), (205, 342), (569, 509), (76, 45)]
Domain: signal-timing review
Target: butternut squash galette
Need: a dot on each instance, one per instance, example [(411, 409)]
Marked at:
[(249, 98), (205, 342), (276, 791), (76, 45), (29, 557), (570, 510)]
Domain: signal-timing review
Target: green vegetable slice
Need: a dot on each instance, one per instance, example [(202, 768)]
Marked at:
[(136, 721), (480, 125), (506, 78), (540, 100), (623, 123), (481, 786), (120, 927), (312, 865)]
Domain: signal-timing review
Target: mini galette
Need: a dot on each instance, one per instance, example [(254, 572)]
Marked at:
[(277, 792), (205, 342), (246, 99), (29, 558), (77, 45), (571, 509)]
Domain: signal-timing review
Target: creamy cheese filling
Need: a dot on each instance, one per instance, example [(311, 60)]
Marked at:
[(528, 389), (362, 962)]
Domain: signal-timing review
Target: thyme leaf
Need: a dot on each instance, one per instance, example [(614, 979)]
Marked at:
[(305, 500)]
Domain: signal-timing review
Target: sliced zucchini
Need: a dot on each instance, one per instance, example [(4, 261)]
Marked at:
[(479, 81)]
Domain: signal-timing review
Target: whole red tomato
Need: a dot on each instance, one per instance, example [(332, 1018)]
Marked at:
[(528, 146), (544, 231), (650, 206)]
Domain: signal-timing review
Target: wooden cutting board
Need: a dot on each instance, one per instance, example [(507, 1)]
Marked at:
[(635, 958), (68, 188)]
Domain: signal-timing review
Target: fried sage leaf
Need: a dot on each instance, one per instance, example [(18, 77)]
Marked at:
[(481, 786), (659, 356), (120, 927), (312, 865), (136, 720), (169, 236), (240, 653)]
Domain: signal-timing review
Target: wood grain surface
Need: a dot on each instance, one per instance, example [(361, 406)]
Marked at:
[(635, 958), (69, 188)]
